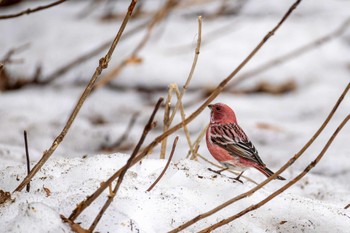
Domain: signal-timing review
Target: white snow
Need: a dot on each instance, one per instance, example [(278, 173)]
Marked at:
[(56, 36)]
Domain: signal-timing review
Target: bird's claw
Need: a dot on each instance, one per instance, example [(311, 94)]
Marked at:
[(237, 179), (217, 172)]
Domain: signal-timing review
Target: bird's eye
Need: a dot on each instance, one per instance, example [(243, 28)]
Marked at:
[(218, 108)]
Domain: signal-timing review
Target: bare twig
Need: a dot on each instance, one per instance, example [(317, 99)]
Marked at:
[(283, 188), (262, 184), (84, 204), (76, 61), (347, 206), (166, 122), (291, 55), (219, 88), (173, 88), (147, 128), (189, 78), (214, 94), (166, 166), (196, 143), (75, 227), (160, 14), (103, 63), (29, 11), (27, 158), (124, 136)]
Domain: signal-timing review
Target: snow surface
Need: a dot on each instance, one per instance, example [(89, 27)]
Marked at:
[(315, 204)]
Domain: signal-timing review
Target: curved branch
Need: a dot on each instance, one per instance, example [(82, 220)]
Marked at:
[(29, 11)]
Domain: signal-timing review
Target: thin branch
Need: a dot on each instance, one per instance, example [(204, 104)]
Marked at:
[(173, 88), (194, 64), (160, 14), (219, 88), (196, 143), (283, 188), (295, 53), (147, 128), (27, 157), (347, 206), (166, 166), (124, 136), (103, 63), (262, 184), (84, 204), (189, 78), (29, 11), (75, 227), (213, 95), (76, 61), (166, 122)]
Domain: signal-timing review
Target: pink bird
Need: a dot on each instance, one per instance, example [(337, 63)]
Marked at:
[(229, 145)]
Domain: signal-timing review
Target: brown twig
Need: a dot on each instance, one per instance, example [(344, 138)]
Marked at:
[(293, 54), (262, 184), (27, 157), (189, 78), (147, 128), (173, 88), (347, 206), (166, 123), (214, 94), (160, 14), (103, 63), (84, 204), (83, 58), (166, 166), (196, 144), (75, 227), (29, 11), (219, 88), (283, 188), (124, 136)]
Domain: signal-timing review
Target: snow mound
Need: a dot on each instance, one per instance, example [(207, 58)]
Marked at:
[(186, 190)]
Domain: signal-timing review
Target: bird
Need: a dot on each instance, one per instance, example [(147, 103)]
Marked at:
[(229, 145)]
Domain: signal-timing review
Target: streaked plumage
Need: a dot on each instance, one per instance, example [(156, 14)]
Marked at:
[(228, 143)]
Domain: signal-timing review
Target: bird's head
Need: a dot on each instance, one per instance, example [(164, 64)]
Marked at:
[(222, 114)]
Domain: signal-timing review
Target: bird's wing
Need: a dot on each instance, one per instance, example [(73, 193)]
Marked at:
[(233, 139)]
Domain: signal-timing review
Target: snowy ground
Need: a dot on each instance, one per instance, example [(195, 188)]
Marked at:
[(315, 204)]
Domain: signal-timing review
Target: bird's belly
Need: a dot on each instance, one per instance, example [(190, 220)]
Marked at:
[(234, 165)]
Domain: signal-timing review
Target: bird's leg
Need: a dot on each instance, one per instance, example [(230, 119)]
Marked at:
[(218, 171), (239, 176)]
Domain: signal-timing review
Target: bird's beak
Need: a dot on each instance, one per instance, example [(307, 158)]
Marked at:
[(210, 106)]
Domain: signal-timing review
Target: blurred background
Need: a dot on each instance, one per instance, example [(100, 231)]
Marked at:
[(281, 97)]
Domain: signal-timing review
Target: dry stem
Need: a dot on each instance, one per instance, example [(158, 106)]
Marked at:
[(147, 128), (76, 61), (295, 53), (166, 166), (218, 89), (194, 63), (28, 11), (27, 157), (283, 188), (262, 184), (213, 95), (160, 14), (173, 88), (166, 122), (103, 63), (84, 204)]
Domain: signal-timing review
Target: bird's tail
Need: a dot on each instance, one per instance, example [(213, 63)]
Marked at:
[(267, 172)]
